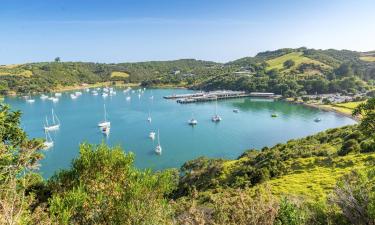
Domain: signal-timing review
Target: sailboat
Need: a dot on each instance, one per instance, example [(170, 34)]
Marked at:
[(317, 120), (216, 117), (158, 148), (106, 130), (104, 123), (55, 123), (73, 96), (43, 97), (29, 99), (48, 143), (192, 121), (152, 135)]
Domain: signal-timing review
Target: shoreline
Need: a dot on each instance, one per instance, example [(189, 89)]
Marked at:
[(327, 109), (75, 87), (101, 84)]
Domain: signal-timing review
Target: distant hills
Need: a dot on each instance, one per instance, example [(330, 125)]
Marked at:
[(334, 70)]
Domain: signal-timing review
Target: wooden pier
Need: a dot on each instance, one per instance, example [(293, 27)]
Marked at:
[(217, 95)]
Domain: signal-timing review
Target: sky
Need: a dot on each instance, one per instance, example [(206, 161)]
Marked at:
[(112, 31)]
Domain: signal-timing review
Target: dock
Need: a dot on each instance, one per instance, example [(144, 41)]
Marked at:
[(217, 95)]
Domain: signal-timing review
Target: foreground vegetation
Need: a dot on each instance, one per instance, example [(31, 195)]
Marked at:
[(290, 72), (327, 178)]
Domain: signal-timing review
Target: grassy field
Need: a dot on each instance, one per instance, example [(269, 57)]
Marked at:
[(297, 57), (368, 58), (119, 74), (15, 71), (315, 177)]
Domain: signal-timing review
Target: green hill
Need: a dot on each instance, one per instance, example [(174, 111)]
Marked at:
[(291, 72), (297, 57)]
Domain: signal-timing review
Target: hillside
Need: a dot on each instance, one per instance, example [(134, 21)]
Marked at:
[(290, 72), (297, 57)]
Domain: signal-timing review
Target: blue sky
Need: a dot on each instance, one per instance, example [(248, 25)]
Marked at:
[(140, 30)]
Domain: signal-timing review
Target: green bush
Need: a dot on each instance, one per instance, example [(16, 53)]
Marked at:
[(349, 146), (288, 214), (368, 146)]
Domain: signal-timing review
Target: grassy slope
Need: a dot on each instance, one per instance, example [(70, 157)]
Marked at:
[(311, 168), (315, 177), (119, 74), (297, 57), (345, 108), (368, 58), (14, 69)]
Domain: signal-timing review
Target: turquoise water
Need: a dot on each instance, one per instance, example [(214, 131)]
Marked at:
[(252, 127)]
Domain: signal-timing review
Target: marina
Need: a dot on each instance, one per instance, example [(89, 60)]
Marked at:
[(217, 95)]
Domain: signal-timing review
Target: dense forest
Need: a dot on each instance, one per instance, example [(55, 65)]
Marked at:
[(290, 72), (326, 178)]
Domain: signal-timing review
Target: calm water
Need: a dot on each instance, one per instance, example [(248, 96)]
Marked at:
[(252, 127)]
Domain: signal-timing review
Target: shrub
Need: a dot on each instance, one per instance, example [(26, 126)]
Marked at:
[(368, 146), (349, 146), (288, 214)]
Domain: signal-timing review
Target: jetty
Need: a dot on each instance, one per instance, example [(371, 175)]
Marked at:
[(217, 95)]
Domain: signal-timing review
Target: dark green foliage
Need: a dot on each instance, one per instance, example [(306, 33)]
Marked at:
[(367, 111), (368, 146), (103, 185), (288, 214), (349, 146), (19, 156), (289, 63)]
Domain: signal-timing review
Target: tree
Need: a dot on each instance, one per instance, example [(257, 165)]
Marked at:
[(289, 63), (103, 185), (57, 59), (367, 111), (19, 157)]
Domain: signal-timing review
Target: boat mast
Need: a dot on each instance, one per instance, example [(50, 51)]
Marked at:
[(216, 107), (53, 118), (158, 137), (105, 114)]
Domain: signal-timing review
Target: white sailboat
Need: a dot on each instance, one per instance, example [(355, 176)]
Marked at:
[(104, 123), (158, 148), (29, 99), (128, 98), (58, 94), (48, 143), (73, 96), (43, 97), (54, 99), (106, 130), (192, 121), (55, 123), (216, 117), (152, 135)]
